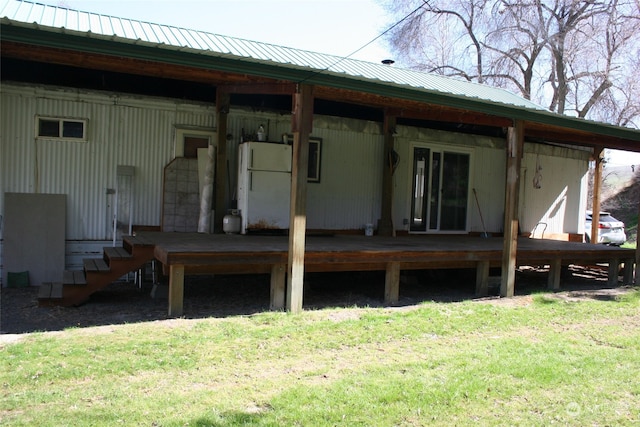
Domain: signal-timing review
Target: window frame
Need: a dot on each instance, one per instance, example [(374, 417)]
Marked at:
[(61, 128)]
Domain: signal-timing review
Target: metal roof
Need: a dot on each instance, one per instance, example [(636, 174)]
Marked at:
[(140, 32), (203, 49)]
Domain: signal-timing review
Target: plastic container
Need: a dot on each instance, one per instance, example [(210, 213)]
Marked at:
[(231, 222), (368, 229)]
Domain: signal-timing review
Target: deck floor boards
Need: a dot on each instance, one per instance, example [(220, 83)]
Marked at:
[(220, 249)]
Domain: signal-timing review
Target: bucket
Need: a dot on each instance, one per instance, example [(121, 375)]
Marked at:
[(368, 229)]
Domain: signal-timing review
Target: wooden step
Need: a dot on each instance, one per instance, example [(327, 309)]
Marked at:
[(112, 252), (74, 277), (95, 265), (50, 290)]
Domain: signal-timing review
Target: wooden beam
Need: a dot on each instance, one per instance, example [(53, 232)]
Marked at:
[(385, 223), (222, 178), (482, 278), (176, 290), (515, 144), (614, 270), (555, 268), (597, 192), (637, 270), (411, 109), (302, 123), (278, 286), (392, 283), (261, 88), (96, 61)]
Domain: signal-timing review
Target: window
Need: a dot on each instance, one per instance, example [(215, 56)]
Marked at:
[(56, 128), (315, 155)]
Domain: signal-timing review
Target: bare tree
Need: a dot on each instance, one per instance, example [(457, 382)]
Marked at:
[(578, 57)]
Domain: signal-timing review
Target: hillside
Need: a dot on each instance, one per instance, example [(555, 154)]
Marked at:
[(620, 196)]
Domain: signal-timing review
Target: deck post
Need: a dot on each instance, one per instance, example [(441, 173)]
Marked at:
[(301, 123), (482, 278), (392, 283), (597, 190), (637, 269), (223, 101), (278, 277), (515, 144), (555, 269), (176, 290), (628, 272), (385, 224), (614, 269)]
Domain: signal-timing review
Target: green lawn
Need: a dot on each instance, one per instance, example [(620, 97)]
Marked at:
[(540, 361)]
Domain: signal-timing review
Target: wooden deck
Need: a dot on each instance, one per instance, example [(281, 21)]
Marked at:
[(192, 253)]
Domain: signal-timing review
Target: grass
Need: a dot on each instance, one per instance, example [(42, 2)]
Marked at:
[(469, 363)]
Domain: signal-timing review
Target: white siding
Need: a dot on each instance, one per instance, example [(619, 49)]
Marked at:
[(348, 195), (122, 131), (559, 205), (349, 192)]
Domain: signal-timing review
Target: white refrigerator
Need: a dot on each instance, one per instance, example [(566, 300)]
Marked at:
[(264, 187)]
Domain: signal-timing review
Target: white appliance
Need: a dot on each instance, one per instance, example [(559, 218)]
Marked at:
[(264, 186)]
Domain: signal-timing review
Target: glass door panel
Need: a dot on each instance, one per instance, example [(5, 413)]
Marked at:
[(455, 192), (440, 190), (419, 195)]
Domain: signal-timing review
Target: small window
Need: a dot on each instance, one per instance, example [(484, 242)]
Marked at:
[(67, 129)]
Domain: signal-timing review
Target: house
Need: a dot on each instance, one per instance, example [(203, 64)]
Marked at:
[(94, 108)]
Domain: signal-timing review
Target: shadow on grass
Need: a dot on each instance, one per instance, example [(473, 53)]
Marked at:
[(241, 295)]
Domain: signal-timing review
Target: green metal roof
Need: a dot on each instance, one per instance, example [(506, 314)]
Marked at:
[(34, 23)]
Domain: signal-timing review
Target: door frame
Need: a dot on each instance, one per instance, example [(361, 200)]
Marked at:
[(198, 132), (442, 148)]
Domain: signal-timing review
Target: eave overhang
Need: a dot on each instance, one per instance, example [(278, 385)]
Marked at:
[(28, 41)]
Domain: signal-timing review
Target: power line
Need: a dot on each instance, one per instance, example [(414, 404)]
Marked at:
[(363, 46)]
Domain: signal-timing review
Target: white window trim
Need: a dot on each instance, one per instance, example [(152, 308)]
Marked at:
[(61, 121)]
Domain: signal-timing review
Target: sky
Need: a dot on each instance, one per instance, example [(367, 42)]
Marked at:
[(337, 27)]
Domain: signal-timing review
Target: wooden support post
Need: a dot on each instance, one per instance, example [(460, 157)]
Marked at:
[(221, 180), (385, 224), (555, 269), (597, 190), (302, 123), (515, 144), (482, 279), (392, 283), (628, 272), (176, 290), (278, 277), (614, 269), (637, 275)]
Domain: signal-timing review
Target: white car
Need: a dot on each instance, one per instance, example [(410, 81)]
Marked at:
[(610, 230)]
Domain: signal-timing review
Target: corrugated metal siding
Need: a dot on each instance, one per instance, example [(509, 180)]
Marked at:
[(559, 205), (350, 166), (489, 181), (349, 192), (122, 131)]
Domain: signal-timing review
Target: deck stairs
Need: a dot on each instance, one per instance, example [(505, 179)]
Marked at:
[(98, 273)]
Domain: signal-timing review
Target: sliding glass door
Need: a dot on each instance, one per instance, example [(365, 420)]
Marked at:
[(440, 190)]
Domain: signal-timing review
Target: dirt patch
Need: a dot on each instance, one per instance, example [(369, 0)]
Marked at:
[(222, 296)]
